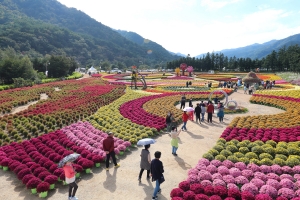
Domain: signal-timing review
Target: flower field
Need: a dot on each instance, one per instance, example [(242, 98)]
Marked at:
[(256, 157)]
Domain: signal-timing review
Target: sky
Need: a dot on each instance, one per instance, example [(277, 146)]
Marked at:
[(197, 26)]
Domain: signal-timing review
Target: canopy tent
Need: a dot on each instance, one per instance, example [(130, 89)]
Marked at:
[(92, 70)]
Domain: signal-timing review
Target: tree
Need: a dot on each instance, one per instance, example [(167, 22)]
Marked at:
[(61, 66)]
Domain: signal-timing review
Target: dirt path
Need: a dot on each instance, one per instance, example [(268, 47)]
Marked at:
[(122, 183)]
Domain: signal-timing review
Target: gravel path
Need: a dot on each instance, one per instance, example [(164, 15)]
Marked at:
[(122, 183)]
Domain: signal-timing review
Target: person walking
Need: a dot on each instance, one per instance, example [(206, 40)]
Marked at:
[(174, 141), (198, 112), (168, 121), (145, 162), (191, 114), (183, 99), (185, 118), (190, 102), (221, 112), (203, 111), (210, 111), (70, 179), (108, 147), (157, 170)]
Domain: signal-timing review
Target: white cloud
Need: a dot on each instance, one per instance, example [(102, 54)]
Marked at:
[(213, 4)]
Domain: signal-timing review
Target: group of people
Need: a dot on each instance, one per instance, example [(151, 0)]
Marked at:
[(227, 84), (268, 84)]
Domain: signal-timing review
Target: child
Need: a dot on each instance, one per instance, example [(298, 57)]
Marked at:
[(174, 141), (70, 179)]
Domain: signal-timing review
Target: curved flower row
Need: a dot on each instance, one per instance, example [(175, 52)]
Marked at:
[(258, 152), (263, 134), (35, 161), (290, 118), (161, 106), (74, 101), (85, 135), (109, 118)]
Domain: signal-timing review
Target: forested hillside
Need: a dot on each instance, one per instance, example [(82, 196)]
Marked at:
[(39, 27)]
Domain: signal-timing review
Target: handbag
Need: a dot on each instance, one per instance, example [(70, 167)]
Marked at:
[(162, 179)]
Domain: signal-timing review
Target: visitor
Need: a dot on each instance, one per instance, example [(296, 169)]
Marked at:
[(183, 99), (174, 141), (157, 170), (187, 84), (168, 121), (198, 112), (210, 111), (191, 114), (108, 147), (145, 162), (216, 99), (70, 179), (203, 111), (185, 118), (221, 112), (190, 102), (245, 89)]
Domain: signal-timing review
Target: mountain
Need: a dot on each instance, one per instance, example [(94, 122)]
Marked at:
[(259, 50), (178, 54), (39, 27), (152, 47)]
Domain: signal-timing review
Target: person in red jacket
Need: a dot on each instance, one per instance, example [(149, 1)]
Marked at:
[(210, 111), (185, 118), (70, 179), (108, 147)]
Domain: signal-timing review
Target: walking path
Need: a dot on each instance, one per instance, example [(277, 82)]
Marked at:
[(122, 183)]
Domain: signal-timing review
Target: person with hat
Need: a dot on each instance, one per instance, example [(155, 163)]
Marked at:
[(108, 147)]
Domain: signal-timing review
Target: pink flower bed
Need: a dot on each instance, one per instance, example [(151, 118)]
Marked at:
[(84, 135), (220, 180), (35, 160), (275, 134)]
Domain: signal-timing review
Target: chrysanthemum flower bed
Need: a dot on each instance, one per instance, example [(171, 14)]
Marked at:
[(256, 161), (85, 135), (109, 118), (77, 99)]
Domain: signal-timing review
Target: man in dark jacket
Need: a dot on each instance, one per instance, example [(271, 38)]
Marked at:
[(183, 99), (108, 147), (157, 170), (198, 112)]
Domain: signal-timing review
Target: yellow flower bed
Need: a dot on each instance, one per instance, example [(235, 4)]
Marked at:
[(108, 118), (161, 106), (290, 118), (282, 93)]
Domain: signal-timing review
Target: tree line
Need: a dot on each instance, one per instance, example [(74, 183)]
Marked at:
[(285, 59), (15, 65)]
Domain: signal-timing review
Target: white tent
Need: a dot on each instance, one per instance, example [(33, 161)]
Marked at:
[(92, 70)]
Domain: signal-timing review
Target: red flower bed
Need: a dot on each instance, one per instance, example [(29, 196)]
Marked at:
[(275, 134), (76, 100)]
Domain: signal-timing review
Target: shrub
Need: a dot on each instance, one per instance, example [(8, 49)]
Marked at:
[(184, 185), (292, 162), (220, 158), (244, 160), (219, 148), (233, 159), (33, 183), (281, 156), (177, 192), (266, 161), (189, 195), (225, 153), (232, 148), (27, 177), (281, 150), (51, 179), (244, 150), (43, 187), (208, 156), (265, 155), (251, 155)]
